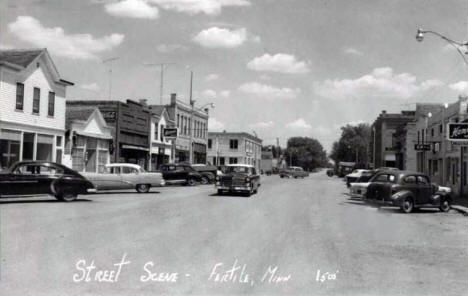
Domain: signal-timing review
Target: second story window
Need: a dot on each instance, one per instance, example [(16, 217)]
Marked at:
[(36, 100), (233, 144), (19, 96), (161, 135), (51, 106), (210, 143), (156, 135)]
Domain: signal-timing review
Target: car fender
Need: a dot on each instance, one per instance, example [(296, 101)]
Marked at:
[(401, 195), (439, 196)]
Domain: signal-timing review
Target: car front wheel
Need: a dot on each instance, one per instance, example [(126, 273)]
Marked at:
[(407, 206), (143, 188), (204, 180), (191, 182), (444, 205)]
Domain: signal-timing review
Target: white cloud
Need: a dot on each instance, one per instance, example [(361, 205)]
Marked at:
[(268, 91), (225, 93), (91, 86), (77, 46), (214, 125), (209, 7), (265, 77), (132, 9), (380, 83), (352, 51), (281, 63), (211, 77), (262, 124), (299, 124), (209, 94), (215, 37), (460, 86), (168, 48)]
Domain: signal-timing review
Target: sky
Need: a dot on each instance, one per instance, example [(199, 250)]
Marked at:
[(279, 68)]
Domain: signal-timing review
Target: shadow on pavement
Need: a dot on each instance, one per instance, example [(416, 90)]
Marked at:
[(122, 192), (415, 211), (238, 195), (41, 201)]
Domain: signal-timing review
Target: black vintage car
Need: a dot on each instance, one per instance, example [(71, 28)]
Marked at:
[(180, 174), (41, 177), (238, 178), (407, 190)]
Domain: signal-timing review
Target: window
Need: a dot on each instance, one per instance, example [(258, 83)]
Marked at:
[(19, 96), (51, 109), (423, 180), (58, 141), (233, 144), (36, 100), (161, 135), (210, 143), (178, 121), (129, 170), (232, 160), (221, 161), (410, 180), (440, 129), (432, 132), (115, 170)]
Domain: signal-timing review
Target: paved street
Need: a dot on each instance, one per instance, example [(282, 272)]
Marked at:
[(304, 227)]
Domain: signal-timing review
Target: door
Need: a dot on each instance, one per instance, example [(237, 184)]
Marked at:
[(24, 180), (424, 191), (411, 184), (130, 177), (109, 179)]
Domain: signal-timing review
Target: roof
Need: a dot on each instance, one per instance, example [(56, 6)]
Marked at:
[(157, 109), (241, 134), (73, 114), (20, 57)]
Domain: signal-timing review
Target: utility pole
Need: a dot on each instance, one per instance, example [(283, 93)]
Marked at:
[(161, 85), (110, 60), (192, 104)]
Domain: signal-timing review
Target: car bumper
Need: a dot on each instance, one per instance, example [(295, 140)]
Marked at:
[(91, 190), (235, 188)]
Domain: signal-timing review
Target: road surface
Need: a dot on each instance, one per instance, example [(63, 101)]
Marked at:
[(296, 236)]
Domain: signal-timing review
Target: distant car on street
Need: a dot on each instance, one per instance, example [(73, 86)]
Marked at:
[(241, 178), (356, 174), (29, 178), (125, 176), (208, 172), (407, 190), (181, 174), (330, 172), (294, 172)]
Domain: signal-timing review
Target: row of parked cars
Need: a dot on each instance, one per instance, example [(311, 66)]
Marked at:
[(41, 177), (396, 188)]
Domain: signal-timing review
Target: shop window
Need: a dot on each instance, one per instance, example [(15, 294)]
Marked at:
[(44, 147), (19, 96), (58, 141), (51, 104), (78, 159), (232, 160), (221, 161), (36, 100), (9, 153), (28, 146)]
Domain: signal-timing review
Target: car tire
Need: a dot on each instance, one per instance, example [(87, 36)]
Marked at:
[(220, 192), (445, 205), (248, 194), (61, 194), (407, 206), (143, 188), (191, 182), (281, 176), (204, 180)]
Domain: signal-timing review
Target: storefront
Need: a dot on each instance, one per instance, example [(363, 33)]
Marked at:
[(199, 153), (19, 145), (89, 141)]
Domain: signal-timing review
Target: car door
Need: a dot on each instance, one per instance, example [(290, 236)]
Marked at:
[(45, 174), (107, 180), (411, 184), (129, 177), (24, 180), (168, 172), (425, 190)]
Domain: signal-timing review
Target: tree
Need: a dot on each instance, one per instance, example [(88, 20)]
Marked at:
[(305, 152), (353, 145)]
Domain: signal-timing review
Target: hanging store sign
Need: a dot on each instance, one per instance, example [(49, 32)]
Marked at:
[(170, 132), (457, 132), (422, 147)]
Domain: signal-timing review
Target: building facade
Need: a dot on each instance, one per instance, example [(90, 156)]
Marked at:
[(32, 113), (231, 148), (161, 148), (130, 122), (88, 140), (192, 123)]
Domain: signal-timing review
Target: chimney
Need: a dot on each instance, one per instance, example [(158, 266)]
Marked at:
[(144, 102), (384, 111), (173, 99), (206, 110)]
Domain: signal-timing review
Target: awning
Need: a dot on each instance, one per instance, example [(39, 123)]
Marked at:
[(390, 157), (91, 135), (135, 147)]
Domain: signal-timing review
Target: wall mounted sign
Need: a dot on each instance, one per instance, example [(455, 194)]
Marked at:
[(457, 132)]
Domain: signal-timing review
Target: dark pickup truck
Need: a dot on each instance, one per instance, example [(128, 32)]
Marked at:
[(407, 190)]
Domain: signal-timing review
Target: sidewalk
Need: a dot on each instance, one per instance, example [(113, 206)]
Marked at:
[(461, 205)]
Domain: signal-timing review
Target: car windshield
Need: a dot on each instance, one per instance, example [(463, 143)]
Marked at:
[(237, 169), (383, 178)]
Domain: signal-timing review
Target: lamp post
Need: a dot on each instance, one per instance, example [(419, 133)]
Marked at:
[(162, 68), (110, 60), (456, 44)]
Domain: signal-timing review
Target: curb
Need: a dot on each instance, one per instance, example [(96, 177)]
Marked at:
[(460, 209)]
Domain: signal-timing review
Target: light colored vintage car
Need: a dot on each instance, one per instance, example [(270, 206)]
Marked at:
[(125, 176)]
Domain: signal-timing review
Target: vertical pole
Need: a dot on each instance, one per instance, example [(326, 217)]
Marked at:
[(192, 103), (162, 84), (373, 157), (461, 170)]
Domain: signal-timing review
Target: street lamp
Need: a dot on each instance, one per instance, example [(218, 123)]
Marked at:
[(420, 37), (110, 61)]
